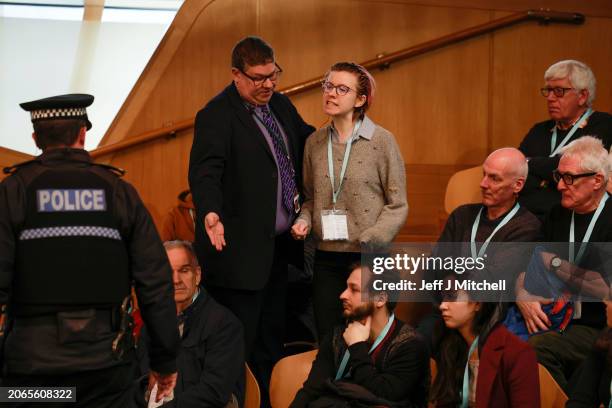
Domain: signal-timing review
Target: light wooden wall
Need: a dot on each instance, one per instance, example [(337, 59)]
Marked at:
[(9, 157), (447, 109)]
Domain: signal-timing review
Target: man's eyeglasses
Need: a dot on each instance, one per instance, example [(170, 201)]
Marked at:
[(558, 91), (341, 90), (569, 178), (260, 80)]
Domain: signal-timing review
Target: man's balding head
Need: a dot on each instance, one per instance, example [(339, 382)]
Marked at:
[(504, 174), (512, 159)]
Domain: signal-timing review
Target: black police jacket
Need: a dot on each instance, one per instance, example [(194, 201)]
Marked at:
[(74, 236)]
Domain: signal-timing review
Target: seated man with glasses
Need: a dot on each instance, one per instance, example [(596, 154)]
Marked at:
[(569, 93), (584, 216)]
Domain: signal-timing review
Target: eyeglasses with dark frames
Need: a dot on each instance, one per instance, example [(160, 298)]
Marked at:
[(341, 90), (569, 178), (558, 91), (260, 80)]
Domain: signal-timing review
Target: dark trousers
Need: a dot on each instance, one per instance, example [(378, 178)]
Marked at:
[(561, 354), (331, 270), (262, 313), (105, 388)]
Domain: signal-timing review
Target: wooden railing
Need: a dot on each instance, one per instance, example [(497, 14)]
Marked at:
[(169, 132), (381, 61)]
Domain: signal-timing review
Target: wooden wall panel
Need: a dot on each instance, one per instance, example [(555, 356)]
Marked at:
[(158, 170), (448, 109), (8, 157), (414, 97), (425, 187)]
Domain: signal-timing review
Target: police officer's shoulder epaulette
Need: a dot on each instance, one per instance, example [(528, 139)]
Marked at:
[(116, 170), (15, 167)]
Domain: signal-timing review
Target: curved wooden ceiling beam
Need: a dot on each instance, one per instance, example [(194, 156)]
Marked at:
[(185, 18)]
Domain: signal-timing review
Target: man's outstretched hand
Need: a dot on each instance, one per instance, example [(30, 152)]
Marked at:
[(215, 230)]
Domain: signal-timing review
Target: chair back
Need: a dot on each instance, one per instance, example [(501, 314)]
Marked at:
[(252, 395), (463, 188), (551, 394), (288, 376)]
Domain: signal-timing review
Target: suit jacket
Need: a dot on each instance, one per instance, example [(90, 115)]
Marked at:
[(507, 372), (232, 172)]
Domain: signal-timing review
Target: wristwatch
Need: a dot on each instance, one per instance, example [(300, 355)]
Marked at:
[(555, 263)]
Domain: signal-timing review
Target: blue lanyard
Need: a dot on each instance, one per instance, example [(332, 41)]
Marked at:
[(347, 354), (484, 246), (466, 375), (587, 234), (553, 141), (330, 161)]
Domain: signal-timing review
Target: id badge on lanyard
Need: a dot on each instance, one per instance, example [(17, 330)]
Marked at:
[(335, 222), (335, 225)]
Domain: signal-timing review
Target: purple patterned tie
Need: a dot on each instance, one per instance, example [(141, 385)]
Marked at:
[(287, 174)]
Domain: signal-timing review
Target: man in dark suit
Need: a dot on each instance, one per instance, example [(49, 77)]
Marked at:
[(245, 175)]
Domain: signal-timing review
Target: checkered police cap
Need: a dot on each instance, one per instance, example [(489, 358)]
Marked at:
[(71, 106)]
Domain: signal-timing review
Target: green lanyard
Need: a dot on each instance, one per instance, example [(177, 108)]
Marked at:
[(347, 354), (553, 141), (330, 161), (466, 375), (610, 403), (484, 246), (587, 234)]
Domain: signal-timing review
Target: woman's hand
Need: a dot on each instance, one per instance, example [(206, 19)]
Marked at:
[(299, 230)]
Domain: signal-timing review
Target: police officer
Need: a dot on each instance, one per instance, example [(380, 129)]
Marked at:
[(74, 237)]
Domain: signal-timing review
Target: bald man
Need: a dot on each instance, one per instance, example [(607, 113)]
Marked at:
[(497, 218), (503, 176)]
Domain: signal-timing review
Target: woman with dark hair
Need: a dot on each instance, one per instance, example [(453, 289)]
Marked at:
[(354, 187), (480, 363), (591, 384)]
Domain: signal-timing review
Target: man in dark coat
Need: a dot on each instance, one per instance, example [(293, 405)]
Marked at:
[(244, 174), (210, 361)]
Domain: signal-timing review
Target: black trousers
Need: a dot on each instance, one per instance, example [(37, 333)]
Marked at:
[(262, 313), (331, 270), (106, 388)]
